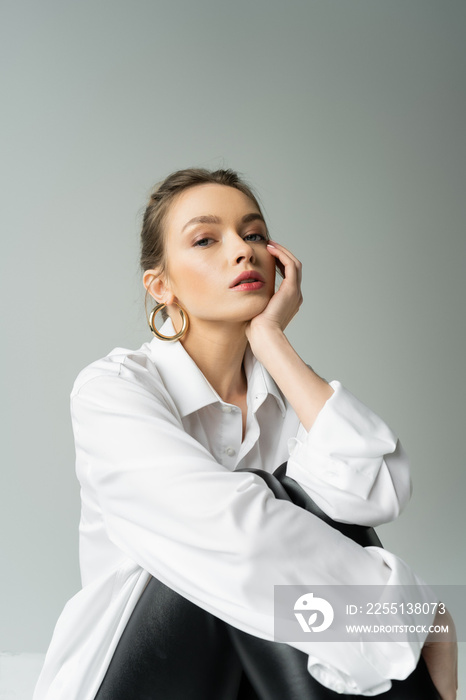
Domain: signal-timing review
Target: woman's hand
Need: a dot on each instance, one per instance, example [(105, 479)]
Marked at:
[(303, 388), (442, 659), (284, 304)]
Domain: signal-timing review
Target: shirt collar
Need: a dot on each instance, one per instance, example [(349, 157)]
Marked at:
[(188, 387)]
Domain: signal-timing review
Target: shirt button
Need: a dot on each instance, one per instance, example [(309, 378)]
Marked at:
[(339, 688), (226, 409), (230, 451)]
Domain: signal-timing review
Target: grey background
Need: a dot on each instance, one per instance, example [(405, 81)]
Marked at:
[(347, 115)]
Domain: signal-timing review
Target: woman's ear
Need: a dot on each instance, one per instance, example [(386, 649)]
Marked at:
[(156, 285)]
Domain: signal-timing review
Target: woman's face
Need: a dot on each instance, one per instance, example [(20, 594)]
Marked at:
[(214, 234)]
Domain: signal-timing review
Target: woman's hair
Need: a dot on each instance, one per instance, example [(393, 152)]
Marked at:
[(153, 225)]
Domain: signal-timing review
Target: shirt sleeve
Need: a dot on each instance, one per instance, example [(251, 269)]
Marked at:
[(220, 538), (351, 463)]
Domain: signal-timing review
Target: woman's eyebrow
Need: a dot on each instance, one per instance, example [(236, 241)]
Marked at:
[(255, 216), (211, 219), (206, 219)]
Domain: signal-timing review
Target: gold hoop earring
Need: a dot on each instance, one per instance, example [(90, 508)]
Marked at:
[(168, 338)]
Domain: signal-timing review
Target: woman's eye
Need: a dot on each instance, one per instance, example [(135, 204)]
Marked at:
[(202, 242), (254, 237)]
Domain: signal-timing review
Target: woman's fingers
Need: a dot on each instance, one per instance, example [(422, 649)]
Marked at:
[(276, 254), (289, 264), (441, 663), (442, 659), (285, 303), (282, 248)]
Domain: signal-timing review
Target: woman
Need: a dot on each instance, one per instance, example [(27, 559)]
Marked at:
[(167, 441)]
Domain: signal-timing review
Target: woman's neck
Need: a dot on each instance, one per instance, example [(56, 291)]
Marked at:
[(218, 350)]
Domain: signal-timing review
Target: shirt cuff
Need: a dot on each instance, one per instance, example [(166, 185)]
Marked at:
[(398, 659), (344, 448), (369, 683), (366, 668)]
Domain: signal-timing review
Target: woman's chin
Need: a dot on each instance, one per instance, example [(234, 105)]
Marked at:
[(237, 314)]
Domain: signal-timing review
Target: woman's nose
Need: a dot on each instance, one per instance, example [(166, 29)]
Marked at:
[(242, 250)]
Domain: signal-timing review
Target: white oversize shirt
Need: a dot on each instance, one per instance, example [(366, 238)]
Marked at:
[(156, 454)]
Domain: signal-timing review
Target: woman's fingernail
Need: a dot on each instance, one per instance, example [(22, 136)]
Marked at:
[(270, 245)]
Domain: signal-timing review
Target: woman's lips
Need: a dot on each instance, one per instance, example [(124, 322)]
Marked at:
[(248, 286), (248, 280)]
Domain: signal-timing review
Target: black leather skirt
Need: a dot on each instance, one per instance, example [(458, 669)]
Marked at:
[(173, 650)]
